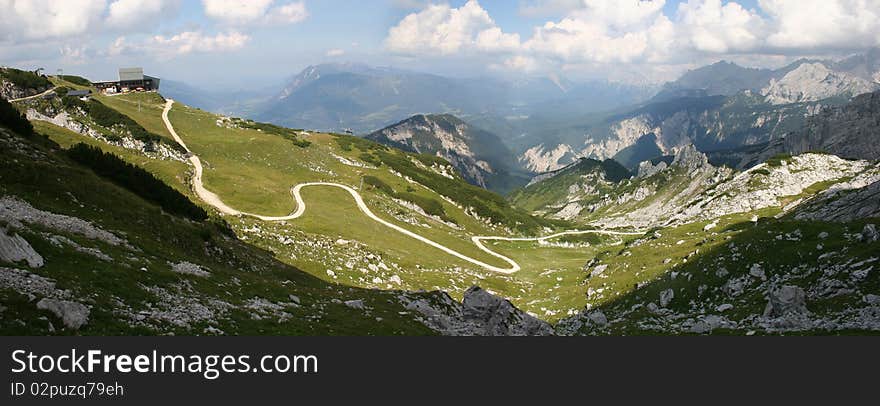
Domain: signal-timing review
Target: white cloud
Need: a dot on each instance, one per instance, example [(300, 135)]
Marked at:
[(441, 29), (128, 14), (243, 12), (25, 20), (543, 8), (184, 43), (712, 27), (73, 55), (818, 24), (195, 41), (605, 31), (335, 52), (290, 13), (608, 33)]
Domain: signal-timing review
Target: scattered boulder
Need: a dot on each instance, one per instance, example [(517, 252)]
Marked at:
[(598, 317), (786, 300), (494, 315), (724, 307), (73, 314), (758, 272), (355, 304), (479, 313), (598, 270), (706, 324), (294, 299), (14, 248), (870, 234), (189, 268), (666, 296)]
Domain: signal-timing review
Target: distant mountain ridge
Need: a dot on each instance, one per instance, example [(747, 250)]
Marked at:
[(718, 107), (478, 155)]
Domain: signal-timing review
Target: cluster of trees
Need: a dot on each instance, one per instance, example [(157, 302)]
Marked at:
[(427, 204), (137, 180), (24, 79), (11, 118)]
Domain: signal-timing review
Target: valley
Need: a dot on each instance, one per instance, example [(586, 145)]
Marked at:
[(655, 235)]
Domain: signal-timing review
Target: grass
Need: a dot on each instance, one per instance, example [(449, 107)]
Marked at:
[(252, 170), (239, 272)]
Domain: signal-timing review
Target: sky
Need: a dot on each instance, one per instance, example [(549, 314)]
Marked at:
[(258, 43)]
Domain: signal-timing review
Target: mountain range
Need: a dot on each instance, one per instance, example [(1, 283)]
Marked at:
[(361, 98), (772, 232)]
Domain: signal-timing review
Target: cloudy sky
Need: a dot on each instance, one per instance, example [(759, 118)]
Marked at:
[(254, 43)]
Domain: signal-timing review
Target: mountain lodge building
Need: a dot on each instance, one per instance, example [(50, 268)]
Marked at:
[(130, 79)]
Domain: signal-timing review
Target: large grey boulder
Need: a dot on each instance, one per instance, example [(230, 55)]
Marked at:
[(666, 296), (787, 300), (14, 248), (493, 315), (480, 313), (73, 314), (870, 234)]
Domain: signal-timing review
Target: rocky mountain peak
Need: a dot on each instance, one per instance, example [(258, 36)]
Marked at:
[(690, 158), (812, 81), (478, 155)]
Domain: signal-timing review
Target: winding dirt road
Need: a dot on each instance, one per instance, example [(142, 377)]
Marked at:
[(215, 201), (32, 96)]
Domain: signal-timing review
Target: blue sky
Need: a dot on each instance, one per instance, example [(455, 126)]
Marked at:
[(258, 43)]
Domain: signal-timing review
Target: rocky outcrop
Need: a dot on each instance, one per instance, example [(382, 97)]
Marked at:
[(477, 154), (73, 314), (812, 82), (189, 268), (846, 201), (648, 168), (65, 120), (786, 301), (14, 249), (479, 313), (849, 131), (9, 91), (539, 159)]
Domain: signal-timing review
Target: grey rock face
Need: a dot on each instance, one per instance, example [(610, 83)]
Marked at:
[(73, 314), (870, 234), (786, 301), (598, 317), (666, 296), (14, 248), (646, 168), (497, 316), (846, 205), (188, 268), (480, 313), (355, 304), (690, 158), (848, 131)]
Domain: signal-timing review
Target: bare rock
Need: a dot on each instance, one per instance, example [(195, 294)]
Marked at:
[(14, 248), (786, 300), (188, 268), (870, 234), (73, 314), (355, 304), (666, 296)]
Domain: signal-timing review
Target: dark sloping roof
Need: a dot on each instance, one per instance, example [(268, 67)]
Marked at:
[(79, 92)]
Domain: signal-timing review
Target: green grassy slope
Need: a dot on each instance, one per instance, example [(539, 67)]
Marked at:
[(137, 292)]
